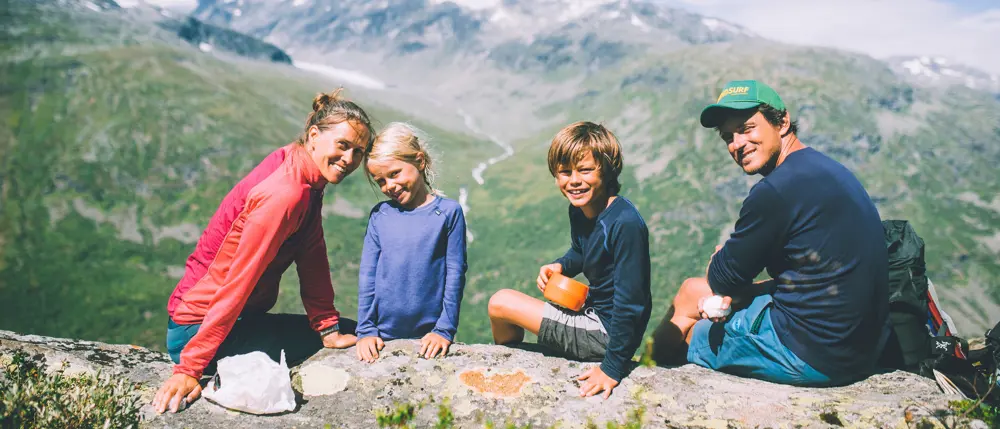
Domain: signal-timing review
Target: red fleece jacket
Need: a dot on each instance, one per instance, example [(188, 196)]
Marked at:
[(270, 219)]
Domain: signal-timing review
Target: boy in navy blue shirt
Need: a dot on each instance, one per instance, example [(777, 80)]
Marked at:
[(610, 246), (821, 318)]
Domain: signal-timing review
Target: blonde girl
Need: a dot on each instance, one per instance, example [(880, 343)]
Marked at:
[(413, 265)]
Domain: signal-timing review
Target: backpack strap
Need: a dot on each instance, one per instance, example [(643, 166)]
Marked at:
[(993, 345), (993, 335)]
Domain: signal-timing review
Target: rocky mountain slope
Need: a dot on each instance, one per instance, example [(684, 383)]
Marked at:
[(209, 37), (499, 61)]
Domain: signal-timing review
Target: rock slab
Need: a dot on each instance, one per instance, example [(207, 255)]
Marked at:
[(482, 383)]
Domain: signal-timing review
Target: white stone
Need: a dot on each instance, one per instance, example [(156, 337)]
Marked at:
[(713, 307), (321, 379)]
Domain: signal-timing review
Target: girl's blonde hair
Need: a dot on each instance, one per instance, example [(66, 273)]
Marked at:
[(404, 142)]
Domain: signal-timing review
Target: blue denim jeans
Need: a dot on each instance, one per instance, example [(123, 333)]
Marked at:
[(747, 345)]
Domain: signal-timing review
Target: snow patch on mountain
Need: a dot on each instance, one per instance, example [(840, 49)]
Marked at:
[(638, 23), (348, 76), (941, 71), (719, 25), (180, 6)]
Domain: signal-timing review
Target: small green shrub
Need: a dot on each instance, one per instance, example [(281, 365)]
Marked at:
[(401, 417), (446, 420), (31, 398), (647, 354), (973, 409), (634, 420)]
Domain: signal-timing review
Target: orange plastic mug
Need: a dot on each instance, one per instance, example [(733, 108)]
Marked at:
[(566, 292)]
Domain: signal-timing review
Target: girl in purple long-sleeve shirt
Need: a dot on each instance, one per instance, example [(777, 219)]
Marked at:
[(413, 265)]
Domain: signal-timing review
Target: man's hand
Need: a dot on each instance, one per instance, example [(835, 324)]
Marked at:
[(595, 381), (727, 301), (432, 344), (177, 388), (368, 348), (336, 340), (545, 272)]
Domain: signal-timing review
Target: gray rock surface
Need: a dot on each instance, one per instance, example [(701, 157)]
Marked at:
[(483, 383)]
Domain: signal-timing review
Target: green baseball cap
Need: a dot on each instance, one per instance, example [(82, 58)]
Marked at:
[(739, 95)]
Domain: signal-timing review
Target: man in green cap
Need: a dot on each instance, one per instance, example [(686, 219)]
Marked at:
[(820, 319)]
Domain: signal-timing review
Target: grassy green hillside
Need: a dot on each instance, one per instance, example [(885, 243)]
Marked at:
[(925, 155), (118, 140), (117, 152)]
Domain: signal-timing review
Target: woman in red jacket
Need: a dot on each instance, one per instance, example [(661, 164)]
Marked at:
[(270, 219)]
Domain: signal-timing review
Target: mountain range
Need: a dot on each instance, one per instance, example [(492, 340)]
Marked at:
[(124, 136)]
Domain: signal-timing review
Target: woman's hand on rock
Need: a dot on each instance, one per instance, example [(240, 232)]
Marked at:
[(177, 389), (336, 340)]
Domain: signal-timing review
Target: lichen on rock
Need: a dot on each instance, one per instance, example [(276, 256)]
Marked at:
[(320, 379), (498, 385)]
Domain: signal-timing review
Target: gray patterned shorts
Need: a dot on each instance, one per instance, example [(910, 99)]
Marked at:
[(577, 335)]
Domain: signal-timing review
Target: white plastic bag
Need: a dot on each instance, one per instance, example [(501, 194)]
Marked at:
[(252, 383)]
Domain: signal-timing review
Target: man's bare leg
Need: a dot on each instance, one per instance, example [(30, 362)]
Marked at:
[(672, 336), (511, 312)]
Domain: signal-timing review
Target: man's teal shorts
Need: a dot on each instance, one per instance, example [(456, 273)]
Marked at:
[(747, 345)]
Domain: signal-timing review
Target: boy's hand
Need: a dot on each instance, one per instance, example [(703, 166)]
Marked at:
[(368, 348), (177, 388), (336, 340), (595, 381), (545, 272), (432, 344)]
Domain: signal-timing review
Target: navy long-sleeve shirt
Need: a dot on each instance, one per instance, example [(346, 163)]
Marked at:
[(612, 251), (812, 225), (412, 272)]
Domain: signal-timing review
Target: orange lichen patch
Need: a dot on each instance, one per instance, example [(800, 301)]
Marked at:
[(496, 384)]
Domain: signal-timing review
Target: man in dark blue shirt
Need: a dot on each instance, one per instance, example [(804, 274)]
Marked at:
[(821, 318)]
